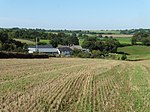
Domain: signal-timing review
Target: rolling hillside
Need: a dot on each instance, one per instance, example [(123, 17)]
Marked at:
[(74, 85), (136, 52)]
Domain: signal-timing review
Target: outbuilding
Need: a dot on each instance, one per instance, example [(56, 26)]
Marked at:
[(48, 49)]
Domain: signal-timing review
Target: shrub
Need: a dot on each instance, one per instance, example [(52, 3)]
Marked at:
[(84, 55), (123, 57), (96, 54)]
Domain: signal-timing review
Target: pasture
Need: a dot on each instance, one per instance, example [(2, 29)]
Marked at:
[(106, 31), (136, 52), (118, 35), (74, 85), (29, 42), (44, 41), (125, 40)]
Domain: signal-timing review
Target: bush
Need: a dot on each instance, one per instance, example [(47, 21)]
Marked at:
[(76, 52), (124, 57), (97, 54), (84, 55)]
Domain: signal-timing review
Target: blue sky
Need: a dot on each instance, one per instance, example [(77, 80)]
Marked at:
[(75, 14)]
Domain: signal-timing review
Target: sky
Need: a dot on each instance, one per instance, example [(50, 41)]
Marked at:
[(75, 14)]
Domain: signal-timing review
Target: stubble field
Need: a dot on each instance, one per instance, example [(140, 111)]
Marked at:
[(75, 85)]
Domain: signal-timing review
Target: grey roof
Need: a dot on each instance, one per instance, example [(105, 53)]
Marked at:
[(48, 50), (41, 46), (76, 47), (44, 50), (65, 49)]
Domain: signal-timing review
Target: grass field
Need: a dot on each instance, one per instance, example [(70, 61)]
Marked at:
[(136, 52), (31, 42), (112, 35), (74, 85), (124, 40), (105, 31), (119, 36), (26, 41), (44, 41)]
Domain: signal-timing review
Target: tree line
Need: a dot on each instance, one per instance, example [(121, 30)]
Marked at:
[(143, 37), (9, 44), (64, 39), (31, 34), (134, 31), (101, 44)]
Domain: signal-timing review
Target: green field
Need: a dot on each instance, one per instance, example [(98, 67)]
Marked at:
[(118, 35), (136, 52), (124, 40), (105, 31), (26, 41), (44, 41), (74, 85), (29, 42)]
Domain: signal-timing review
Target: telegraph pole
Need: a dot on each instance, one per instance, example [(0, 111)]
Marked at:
[(36, 45)]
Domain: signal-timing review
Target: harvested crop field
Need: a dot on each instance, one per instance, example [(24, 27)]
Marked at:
[(75, 85)]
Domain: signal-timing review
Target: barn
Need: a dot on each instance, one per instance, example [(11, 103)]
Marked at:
[(48, 49)]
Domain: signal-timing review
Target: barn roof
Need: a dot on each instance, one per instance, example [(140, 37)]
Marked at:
[(76, 47), (50, 50), (64, 48)]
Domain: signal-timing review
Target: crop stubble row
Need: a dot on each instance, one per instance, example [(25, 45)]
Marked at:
[(72, 85)]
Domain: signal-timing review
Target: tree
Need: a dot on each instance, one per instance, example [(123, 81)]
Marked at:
[(133, 41), (74, 40), (85, 36), (146, 41), (74, 35), (89, 43), (111, 45), (54, 43), (9, 44), (3, 37), (80, 35), (0, 46), (103, 45), (99, 45), (141, 36)]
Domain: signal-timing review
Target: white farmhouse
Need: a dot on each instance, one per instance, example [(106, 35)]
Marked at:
[(65, 50)]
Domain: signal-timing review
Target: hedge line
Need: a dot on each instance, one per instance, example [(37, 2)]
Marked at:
[(5, 55)]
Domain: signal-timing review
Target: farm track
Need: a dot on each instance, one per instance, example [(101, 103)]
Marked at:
[(75, 85)]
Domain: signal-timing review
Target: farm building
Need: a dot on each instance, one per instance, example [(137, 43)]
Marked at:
[(79, 48), (76, 47), (64, 50), (48, 49)]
